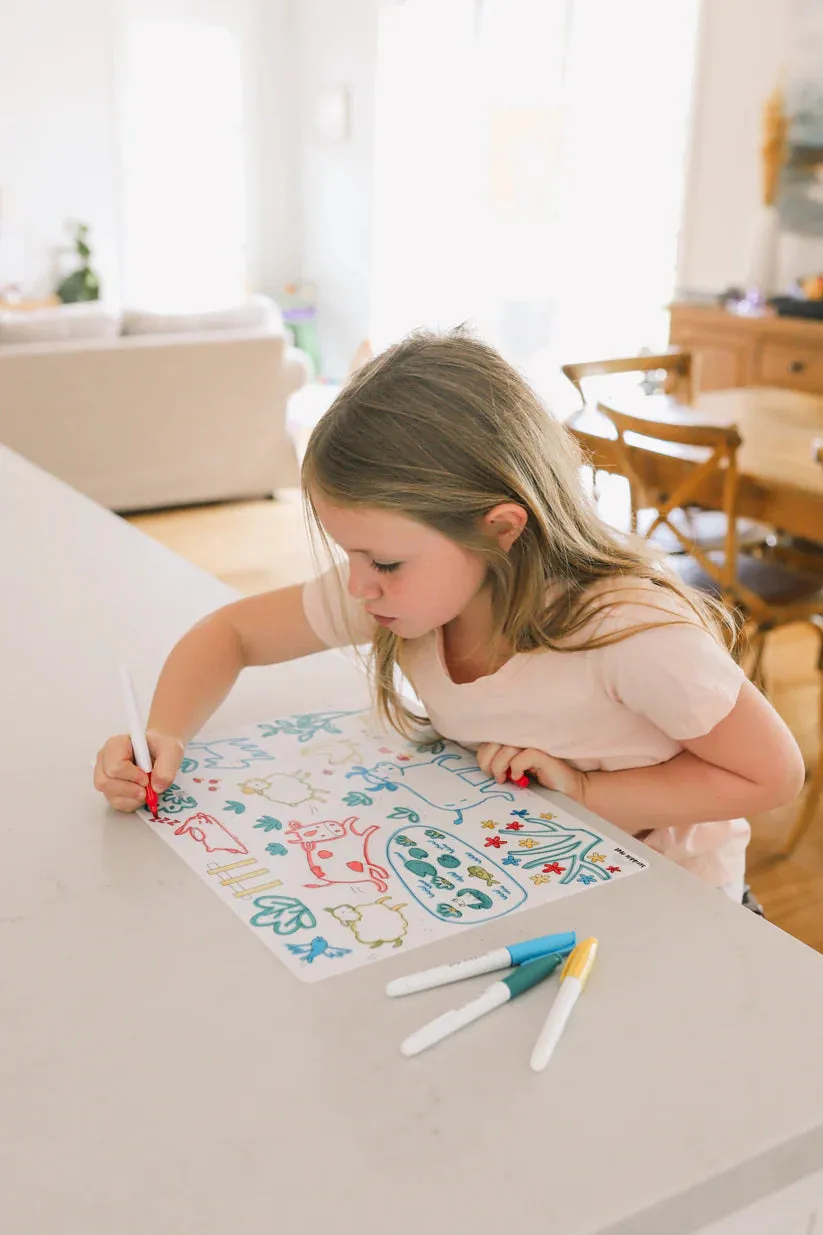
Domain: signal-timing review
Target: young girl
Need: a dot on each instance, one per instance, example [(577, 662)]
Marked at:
[(530, 630)]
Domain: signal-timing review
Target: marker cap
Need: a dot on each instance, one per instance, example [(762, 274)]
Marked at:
[(531, 949)]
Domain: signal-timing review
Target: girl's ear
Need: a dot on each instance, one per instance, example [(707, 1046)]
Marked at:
[(505, 523)]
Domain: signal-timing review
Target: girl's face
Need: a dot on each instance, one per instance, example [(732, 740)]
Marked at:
[(409, 577)]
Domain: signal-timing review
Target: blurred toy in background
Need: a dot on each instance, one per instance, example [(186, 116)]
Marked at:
[(298, 304)]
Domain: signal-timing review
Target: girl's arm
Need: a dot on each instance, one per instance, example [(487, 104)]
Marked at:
[(748, 763), (202, 668), (198, 674)]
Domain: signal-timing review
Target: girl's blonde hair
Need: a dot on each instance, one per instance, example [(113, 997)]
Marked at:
[(441, 429)]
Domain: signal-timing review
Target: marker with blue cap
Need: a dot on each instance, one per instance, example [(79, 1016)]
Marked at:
[(515, 954), (520, 980)]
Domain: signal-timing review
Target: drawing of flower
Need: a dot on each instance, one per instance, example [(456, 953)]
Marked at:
[(528, 843), (541, 879)]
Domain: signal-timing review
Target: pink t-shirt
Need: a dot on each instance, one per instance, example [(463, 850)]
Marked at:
[(627, 705)]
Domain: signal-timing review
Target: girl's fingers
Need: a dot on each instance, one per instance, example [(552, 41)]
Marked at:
[(527, 761), (485, 753), (501, 762), (126, 805)]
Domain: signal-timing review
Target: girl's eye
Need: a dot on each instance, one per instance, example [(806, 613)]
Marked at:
[(386, 568)]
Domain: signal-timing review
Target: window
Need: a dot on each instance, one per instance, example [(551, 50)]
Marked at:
[(184, 208), (529, 170)]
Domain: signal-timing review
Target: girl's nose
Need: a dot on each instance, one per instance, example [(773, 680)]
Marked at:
[(362, 583)]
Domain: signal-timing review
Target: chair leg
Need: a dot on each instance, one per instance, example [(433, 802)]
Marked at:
[(754, 669), (814, 791), (807, 811)]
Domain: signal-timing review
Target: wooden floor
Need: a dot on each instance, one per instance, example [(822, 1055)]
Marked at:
[(254, 546)]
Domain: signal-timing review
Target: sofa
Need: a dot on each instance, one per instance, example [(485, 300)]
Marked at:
[(146, 411)]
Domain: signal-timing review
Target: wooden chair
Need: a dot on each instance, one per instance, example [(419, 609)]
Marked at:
[(702, 528), (765, 592), (676, 364)]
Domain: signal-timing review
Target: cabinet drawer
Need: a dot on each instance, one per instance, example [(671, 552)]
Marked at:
[(797, 368)]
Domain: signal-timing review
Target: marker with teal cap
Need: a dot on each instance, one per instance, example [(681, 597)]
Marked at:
[(490, 962), (522, 979)]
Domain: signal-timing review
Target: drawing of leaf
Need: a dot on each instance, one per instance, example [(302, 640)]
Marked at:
[(236, 808), (269, 824), (405, 812), (276, 851), (189, 765), (284, 914), (357, 799)]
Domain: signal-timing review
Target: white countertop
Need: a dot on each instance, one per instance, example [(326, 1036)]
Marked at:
[(161, 1072)]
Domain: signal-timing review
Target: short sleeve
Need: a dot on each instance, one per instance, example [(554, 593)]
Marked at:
[(336, 617), (676, 675)]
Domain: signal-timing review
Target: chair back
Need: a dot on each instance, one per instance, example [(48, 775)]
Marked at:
[(710, 452), (676, 364)]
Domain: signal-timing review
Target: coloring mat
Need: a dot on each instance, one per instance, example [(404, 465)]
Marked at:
[(339, 845)]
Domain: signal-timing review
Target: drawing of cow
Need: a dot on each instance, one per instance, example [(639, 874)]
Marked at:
[(331, 866)]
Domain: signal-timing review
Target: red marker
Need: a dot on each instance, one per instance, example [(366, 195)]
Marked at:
[(522, 782), (139, 745)]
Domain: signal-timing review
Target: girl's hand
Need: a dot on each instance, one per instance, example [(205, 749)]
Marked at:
[(122, 783), (498, 761)]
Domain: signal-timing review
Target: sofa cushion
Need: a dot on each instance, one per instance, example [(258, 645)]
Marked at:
[(256, 313), (91, 320)]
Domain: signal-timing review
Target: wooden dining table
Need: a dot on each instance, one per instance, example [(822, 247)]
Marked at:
[(781, 476)]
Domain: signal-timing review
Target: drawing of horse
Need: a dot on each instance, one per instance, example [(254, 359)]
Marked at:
[(442, 782)]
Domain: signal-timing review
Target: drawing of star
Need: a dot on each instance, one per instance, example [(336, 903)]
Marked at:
[(597, 857), (553, 868), (541, 879), (585, 878), (494, 842), (513, 827), (489, 824), (612, 869), (547, 816), (511, 860), (528, 843)]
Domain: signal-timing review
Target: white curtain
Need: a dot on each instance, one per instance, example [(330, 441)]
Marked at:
[(529, 171)]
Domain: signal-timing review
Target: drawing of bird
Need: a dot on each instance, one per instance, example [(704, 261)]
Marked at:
[(309, 952)]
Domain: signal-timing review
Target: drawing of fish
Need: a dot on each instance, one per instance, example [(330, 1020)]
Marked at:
[(309, 952), (478, 872)]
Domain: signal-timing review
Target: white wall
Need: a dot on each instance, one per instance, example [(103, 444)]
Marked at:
[(59, 148), (337, 47), (743, 50), (56, 128)]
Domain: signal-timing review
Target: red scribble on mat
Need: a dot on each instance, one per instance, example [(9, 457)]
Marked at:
[(208, 832), (340, 864), (494, 842)]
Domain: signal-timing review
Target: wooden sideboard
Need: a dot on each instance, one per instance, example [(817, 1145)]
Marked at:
[(731, 350)]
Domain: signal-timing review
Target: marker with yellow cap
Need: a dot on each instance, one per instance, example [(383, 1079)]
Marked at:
[(573, 978)]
